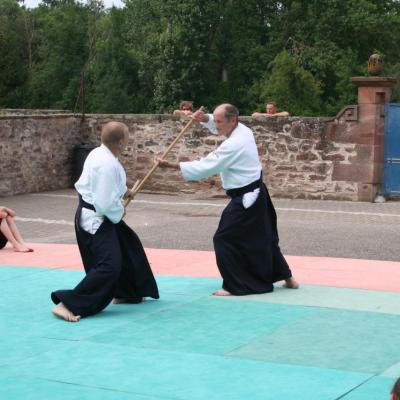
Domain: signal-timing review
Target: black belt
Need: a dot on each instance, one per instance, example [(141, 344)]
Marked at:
[(82, 203), (245, 189)]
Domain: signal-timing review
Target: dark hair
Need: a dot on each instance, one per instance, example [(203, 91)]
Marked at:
[(396, 390), (187, 104)]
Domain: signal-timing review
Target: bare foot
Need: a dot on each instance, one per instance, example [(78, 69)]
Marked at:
[(291, 284), (62, 312), (29, 248), (21, 248), (127, 301), (222, 292)]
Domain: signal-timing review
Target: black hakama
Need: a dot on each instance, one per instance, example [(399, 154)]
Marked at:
[(246, 244), (116, 266)]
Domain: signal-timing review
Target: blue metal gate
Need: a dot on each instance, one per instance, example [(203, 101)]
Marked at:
[(391, 176)]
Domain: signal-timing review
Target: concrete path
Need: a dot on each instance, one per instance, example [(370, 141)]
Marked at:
[(306, 228)]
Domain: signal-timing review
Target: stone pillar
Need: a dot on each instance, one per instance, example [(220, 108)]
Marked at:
[(373, 93)]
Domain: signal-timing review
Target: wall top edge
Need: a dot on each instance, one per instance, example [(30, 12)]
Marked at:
[(36, 110), (36, 116), (151, 117)]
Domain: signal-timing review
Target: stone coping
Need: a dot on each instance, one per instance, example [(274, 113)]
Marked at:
[(150, 117), (374, 81), (36, 116)]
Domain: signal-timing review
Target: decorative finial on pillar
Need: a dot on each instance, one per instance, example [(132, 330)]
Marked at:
[(375, 64)]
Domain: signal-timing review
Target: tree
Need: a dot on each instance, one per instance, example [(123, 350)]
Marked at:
[(151, 54), (14, 65), (291, 87), (61, 52), (112, 74), (177, 37), (332, 38)]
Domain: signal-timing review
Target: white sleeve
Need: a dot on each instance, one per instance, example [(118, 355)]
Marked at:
[(215, 162), (210, 124), (106, 198)]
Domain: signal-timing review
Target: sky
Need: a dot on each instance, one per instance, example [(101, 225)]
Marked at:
[(107, 3)]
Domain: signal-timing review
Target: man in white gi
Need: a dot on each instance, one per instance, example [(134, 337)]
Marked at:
[(246, 242), (115, 263)]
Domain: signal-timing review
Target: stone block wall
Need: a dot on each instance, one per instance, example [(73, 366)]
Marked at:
[(36, 152), (299, 156), (307, 158), (150, 135)]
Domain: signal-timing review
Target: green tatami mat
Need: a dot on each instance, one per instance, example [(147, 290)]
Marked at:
[(377, 388), (327, 338), (393, 371), (189, 345), (21, 346), (10, 273), (330, 297), (16, 388), (176, 375), (187, 286), (27, 305), (207, 325)]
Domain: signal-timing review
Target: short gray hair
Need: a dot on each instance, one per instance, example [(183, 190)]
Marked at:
[(229, 110), (113, 132)]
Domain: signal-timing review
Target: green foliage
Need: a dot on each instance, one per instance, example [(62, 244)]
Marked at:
[(112, 80), (332, 38), (183, 52), (13, 54), (151, 54), (291, 87), (60, 52), (394, 72)]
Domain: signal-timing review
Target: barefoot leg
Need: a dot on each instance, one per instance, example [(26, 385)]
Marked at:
[(222, 292), (15, 232), (291, 283), (7, 232), (62, 312)]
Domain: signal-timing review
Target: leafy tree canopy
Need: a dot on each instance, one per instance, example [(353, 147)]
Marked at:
[(151, 54)]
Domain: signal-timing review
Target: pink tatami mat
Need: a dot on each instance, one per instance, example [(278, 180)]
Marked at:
[(326, 271)]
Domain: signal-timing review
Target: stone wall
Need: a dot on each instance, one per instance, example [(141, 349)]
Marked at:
[(310, 158), (299, 157), (36, 152)]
